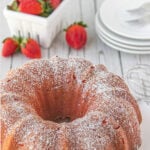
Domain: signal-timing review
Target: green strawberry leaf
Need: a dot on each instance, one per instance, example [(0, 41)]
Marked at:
[(13, 6), (16, 38), (81, 23), (47, 9), (24, 42)]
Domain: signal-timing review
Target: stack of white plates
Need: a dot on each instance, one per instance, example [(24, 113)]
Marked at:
[(114, 28)]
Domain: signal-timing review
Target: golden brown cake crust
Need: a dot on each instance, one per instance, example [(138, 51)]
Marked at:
[(67, 104)]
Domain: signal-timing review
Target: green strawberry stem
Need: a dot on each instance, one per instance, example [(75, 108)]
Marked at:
[(47, 9), (81, 23), (13, 6), (24, 42), (18, 40)]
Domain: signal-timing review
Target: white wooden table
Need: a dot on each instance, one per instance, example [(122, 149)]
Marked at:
[(95, 50)]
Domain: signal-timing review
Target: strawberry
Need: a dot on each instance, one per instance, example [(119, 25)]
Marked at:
[(10, 46), (55, 3), (35, 7), (76, 35), (30, 48)]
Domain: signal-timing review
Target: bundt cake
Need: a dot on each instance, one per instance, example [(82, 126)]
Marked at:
[(67, 104)]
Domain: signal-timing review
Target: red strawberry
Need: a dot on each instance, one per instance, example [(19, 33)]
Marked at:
[(10, 46), (55, 3), (76, 35), (35, 7), (30, 48)]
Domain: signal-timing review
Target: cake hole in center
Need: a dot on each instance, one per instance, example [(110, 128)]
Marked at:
[(61, 120), (63, 104)]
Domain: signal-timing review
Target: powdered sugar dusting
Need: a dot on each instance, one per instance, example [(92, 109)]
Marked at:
[(94, 131), (111, 120)]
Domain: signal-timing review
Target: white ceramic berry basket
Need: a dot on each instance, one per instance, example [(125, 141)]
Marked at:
[(42, 29)]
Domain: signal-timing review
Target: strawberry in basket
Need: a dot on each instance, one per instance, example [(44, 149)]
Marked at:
[(35, 7)]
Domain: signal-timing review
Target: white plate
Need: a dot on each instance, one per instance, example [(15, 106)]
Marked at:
[(115, 19), (135, 48), (118, 38), (119, 48)]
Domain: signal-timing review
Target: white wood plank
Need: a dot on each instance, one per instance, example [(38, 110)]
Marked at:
[(44, 53), (99, 43), (129, 61), (76, 17), (4, 31), (95, 50), (88, 14), (145, 59), (59, 47), (112, 59), (98, 3), (107, 55), (19, 59), (5, 63)]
